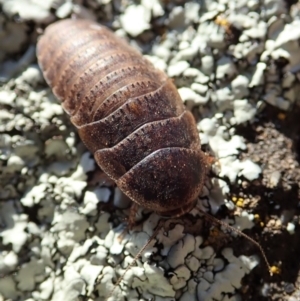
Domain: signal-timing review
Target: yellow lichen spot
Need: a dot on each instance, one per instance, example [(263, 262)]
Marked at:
[(275, 270), (234, 199), (257, 217), (258, 220), (281, 116), (222, 21), (240, 202)]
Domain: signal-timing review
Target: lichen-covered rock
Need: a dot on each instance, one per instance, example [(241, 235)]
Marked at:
[(63, 232)]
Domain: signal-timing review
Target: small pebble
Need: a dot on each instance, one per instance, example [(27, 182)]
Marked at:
[(176, 18), (291, 228), (177, 68), (188, 95), (135, 20)]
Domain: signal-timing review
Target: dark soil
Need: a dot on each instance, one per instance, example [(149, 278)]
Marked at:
[(273, 142)]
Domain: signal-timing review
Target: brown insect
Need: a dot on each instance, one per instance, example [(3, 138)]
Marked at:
[(128, 114)]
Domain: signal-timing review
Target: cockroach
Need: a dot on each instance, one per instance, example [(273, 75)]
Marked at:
[(128, 114)]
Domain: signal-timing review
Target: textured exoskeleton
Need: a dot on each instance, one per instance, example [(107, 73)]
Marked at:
[(128, 114)]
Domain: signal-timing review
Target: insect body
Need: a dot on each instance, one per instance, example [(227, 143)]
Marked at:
[(128, 114)]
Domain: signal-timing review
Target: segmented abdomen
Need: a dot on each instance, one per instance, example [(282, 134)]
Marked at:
[(128, 113)]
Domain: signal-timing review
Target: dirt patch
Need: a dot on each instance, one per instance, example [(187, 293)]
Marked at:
[(273, 142)]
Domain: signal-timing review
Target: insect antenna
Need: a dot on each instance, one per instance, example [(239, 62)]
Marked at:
[(219, 222), (137, 256)]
